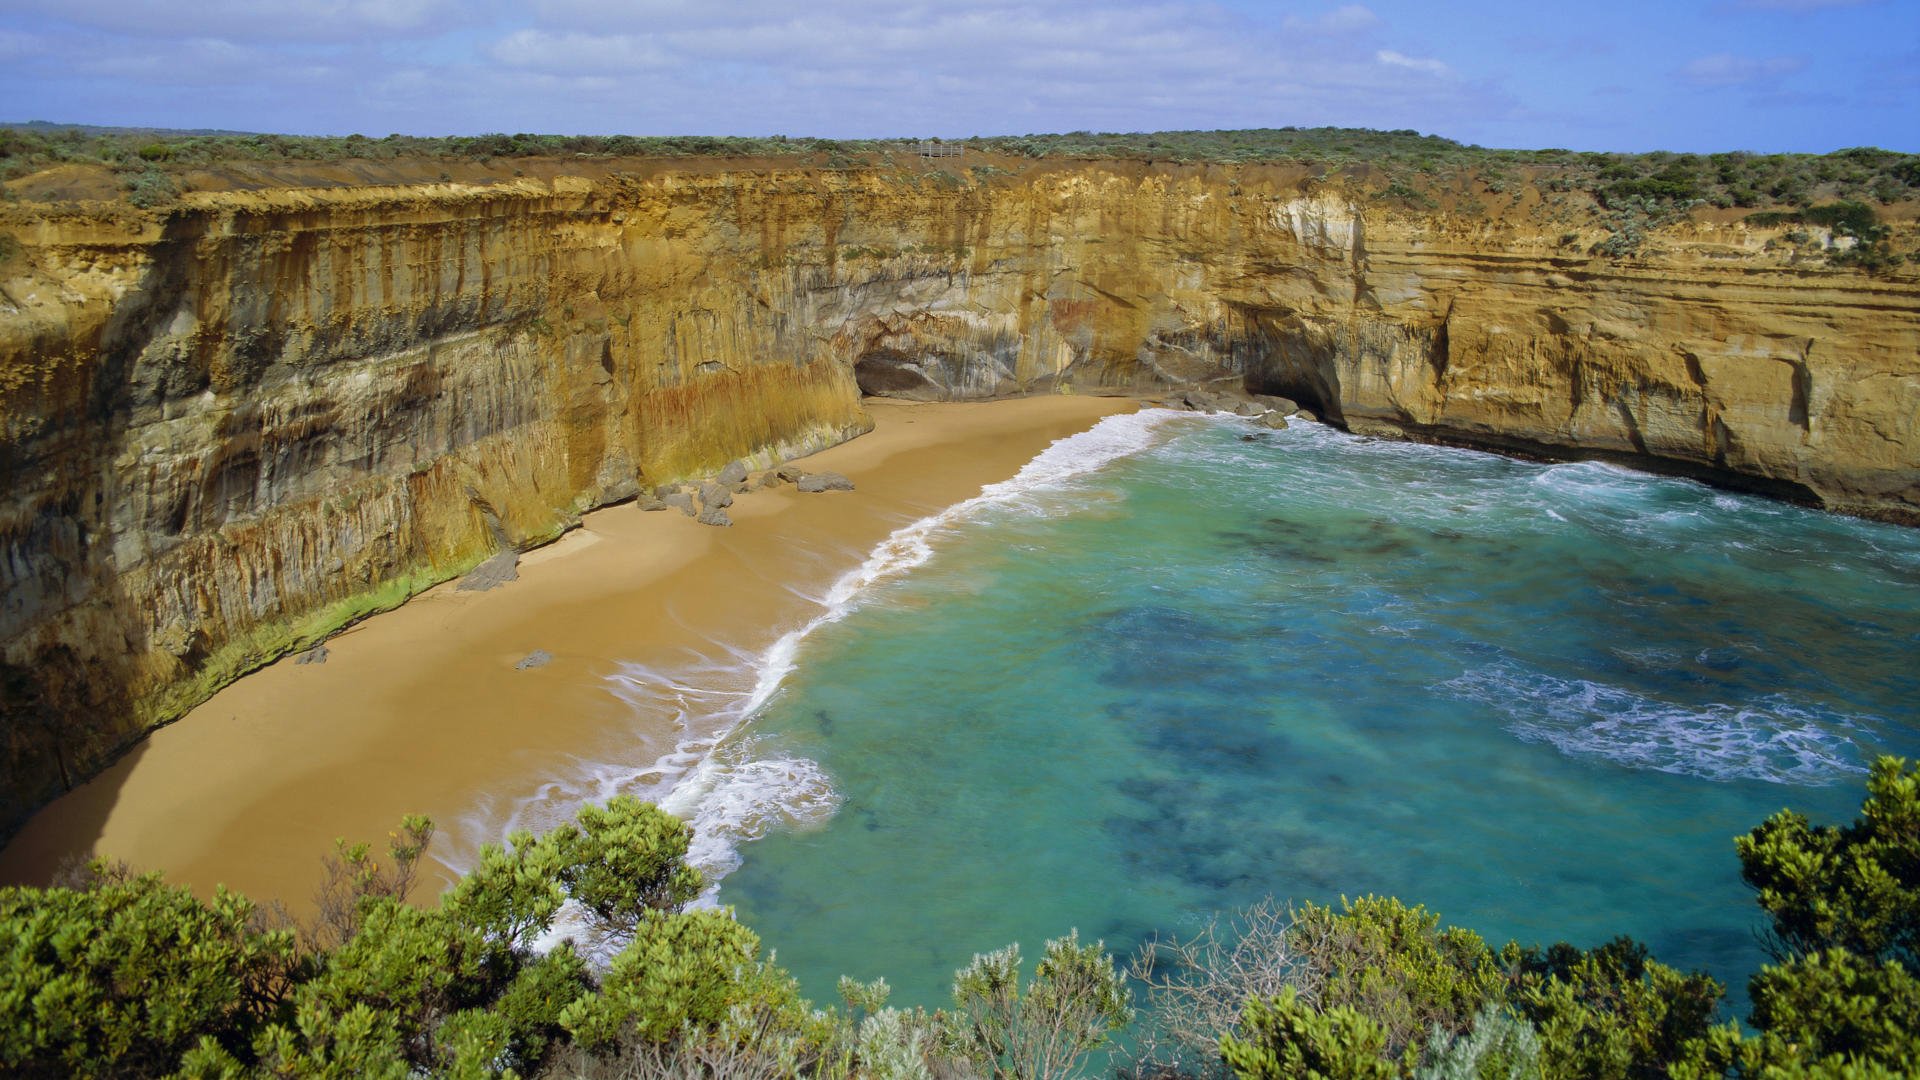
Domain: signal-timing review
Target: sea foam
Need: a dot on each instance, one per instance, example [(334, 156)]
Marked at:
[(1770, 737), (712, 778)]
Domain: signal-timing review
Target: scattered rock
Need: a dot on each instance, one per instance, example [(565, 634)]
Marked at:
[(680, 501), (768, 480), (734, 474), (1274, 420), (1205, 401), (715, 497), (714, 515), (534, 659), (1250, 409), (315, 655), (789, 473), (493, 573), (813, 483), (1283, 406), (650, 502), (616, 490)]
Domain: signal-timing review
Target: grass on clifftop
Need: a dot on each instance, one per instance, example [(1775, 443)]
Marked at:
[(1409, 161)]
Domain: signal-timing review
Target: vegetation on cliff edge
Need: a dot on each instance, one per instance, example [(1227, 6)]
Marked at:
[(1405, 163), (122, 975)]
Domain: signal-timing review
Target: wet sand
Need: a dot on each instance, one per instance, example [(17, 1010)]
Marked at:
[(422, 709)]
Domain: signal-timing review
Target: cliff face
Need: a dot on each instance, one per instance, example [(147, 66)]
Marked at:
[(229, 428)]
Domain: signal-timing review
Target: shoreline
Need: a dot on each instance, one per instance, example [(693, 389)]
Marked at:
[(422, 708)]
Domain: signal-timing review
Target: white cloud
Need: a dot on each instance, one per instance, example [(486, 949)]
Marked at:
[(571, 53), (969, 66), (1726, 69), (831, 67), (254, 20), (1413, 63)]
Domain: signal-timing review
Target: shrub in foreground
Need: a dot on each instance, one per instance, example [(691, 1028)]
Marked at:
[(123, 975)]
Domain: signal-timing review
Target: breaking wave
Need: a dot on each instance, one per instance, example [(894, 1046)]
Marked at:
[(1770, 738), (712, 777)]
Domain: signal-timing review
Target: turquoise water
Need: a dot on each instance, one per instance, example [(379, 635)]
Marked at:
[(1539, 699)]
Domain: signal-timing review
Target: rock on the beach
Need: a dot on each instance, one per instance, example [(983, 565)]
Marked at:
[(534, 659), (315, 655), (768, 480), (1275, 420), (713, 515), (713, 496), (682, 502), (493, 573), (734, 474), (824, 481)]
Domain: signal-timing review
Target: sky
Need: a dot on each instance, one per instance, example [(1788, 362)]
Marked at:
[(1628, 75)]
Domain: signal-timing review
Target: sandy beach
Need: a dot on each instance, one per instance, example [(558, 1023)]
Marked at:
[(424, 709)]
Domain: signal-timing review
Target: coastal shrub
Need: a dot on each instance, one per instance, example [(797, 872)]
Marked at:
[(626, 860), (681, 971), (1281, 1038), (1855, 219), (1500, 1046), (1198, 986), (149, 188), (115, 973), (1075, 999), (353, 875), (1397, 965), (1612, 1012), (127, 975), (1843, 906)]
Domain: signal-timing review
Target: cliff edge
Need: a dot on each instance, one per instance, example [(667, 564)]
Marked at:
[(233, 422)]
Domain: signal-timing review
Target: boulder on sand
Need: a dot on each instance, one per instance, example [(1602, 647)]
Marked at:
[(813, 483), (492, 574)]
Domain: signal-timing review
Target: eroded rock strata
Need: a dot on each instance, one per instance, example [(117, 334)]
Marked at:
[(231, 425)]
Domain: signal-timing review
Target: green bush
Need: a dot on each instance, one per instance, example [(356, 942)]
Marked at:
[(150, 188), (1283, 1039), (124, 975), (1612, 1012), (1855, 219), (128, 975), (1843, 904), (1397, 966), (1075, 999)]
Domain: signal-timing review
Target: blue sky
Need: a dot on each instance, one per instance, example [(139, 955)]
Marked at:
[(1767, 75)]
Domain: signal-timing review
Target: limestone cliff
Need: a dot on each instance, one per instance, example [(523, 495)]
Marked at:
[(230, 425)]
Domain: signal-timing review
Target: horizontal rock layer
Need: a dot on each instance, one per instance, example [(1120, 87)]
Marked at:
[(227, 430)]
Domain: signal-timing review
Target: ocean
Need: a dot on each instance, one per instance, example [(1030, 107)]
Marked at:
[(1182, 663)]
